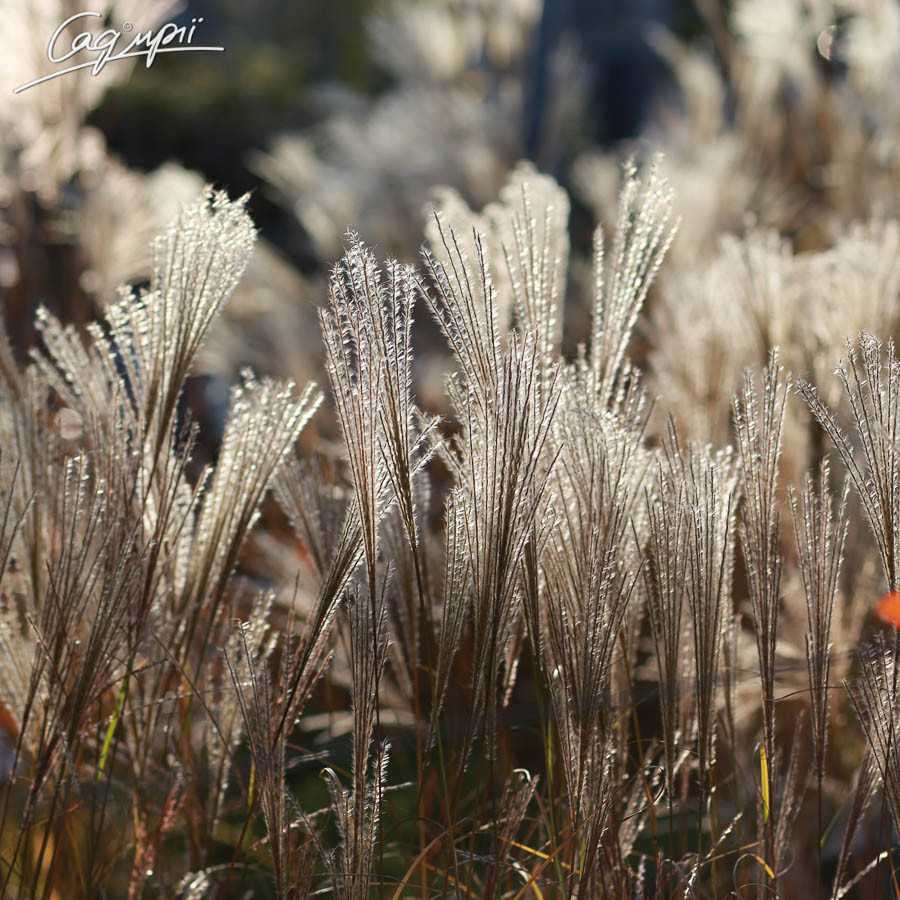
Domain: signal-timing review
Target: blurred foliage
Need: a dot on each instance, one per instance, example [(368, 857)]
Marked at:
[(208, 110), (211, 111)]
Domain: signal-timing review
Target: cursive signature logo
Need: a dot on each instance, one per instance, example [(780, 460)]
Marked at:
[(105, 47)]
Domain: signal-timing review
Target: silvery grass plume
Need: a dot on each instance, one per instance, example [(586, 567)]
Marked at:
[(358, 811), (820, 527), (329, 527), (125, 565), (710, 481), (367, 331), (578, 613), (644, 230), (586, 601), (604, 381), (535, 246), (502, 471), (875, 695), (70, 667), (715, 320), (220, 732), (759, 423), (612, 387), (144, 358), (577, 560), (872, 386), (225, 726), (317, 509), (270, 708), (525, 234), (505, 408), (367, 328), (665, 576), (580, 533)]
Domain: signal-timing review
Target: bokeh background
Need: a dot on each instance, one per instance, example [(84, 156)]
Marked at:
[(331, 114), (292, 69), (355, 114), (779, 130), (776, 120)]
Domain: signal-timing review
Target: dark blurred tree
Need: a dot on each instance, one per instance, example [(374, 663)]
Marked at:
[(624, 72)]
